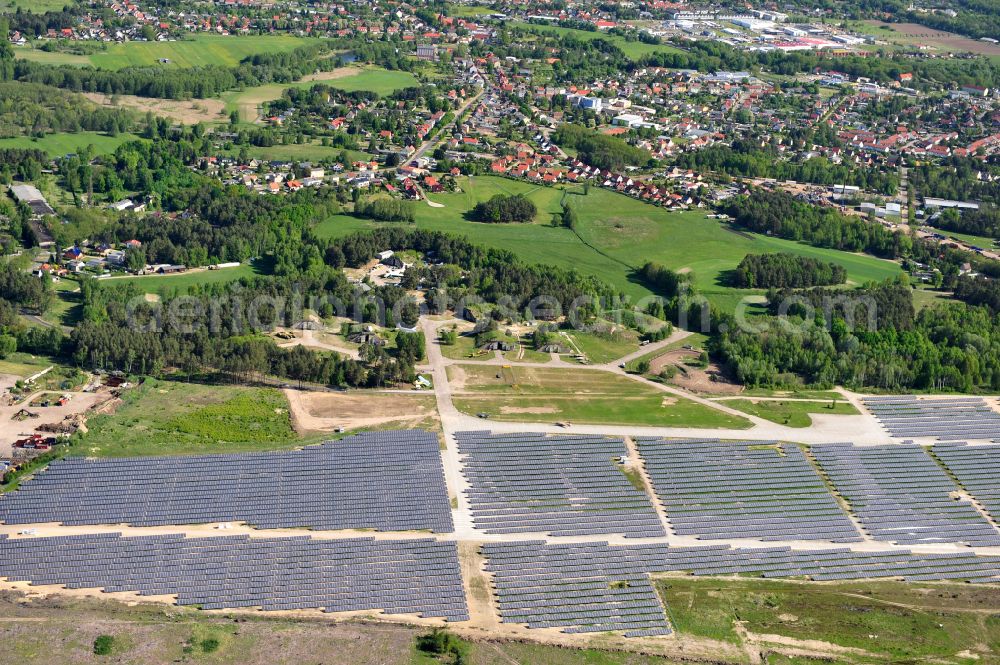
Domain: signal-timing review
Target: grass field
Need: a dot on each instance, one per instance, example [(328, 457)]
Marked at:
[(377, 80), (615, 235), (33, 6), (181, 282), (632, 50), (601, 349), (64, 143), (791, 413), (195, 52), (533, 394), (23, 364), (173, 418), (913, 622)]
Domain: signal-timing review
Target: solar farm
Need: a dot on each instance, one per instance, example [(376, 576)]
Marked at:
[(901, 495), (743, 489), (387, 481), (947, 419), (559, 485), (417, 576), (564, 538), (597, 587)]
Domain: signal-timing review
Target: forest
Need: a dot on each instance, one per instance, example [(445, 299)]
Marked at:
[(949, 347), (600, 150), (746, 158), (783, 270)]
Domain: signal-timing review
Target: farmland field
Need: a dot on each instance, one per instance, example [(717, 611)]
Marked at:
[(196, 52), (614, 236), (171, 418), (64, 143), (912, 35), (533, 394)]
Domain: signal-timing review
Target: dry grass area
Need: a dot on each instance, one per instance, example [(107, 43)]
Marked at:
[(915, 34), (186, 112), (314, 412)]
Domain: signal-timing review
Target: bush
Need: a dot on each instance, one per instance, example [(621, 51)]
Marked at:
[(104, 645)]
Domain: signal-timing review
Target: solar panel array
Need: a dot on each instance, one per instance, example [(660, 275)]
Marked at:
[(949, 419), (977, 468), (419, 576), (596, 587), (578, 588), (900, 495), (557, 485), (387, 481), (745, 489)]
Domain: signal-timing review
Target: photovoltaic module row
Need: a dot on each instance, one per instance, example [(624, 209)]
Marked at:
[(556, 485), (977, 468), (947, 419), (597, 587), (418, 576), (900, 495), (387, 481), (743, 489)]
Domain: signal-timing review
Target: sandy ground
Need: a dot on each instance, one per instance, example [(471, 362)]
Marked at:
[(11, 430), (695, 379), (186, 112), (324, 412)]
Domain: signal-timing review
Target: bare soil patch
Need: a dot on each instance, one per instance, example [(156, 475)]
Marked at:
[(186, 112), (324, 412), (945, 41)]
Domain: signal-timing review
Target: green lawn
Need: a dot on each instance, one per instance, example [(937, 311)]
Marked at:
[(64, 143), (615, 235), (791, 413), (181, 282), (601, 349), (195, 52), (533, 394), (375, 79), (173, 418), (913, 622)]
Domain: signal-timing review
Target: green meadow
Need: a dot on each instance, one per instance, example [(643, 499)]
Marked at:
[(195, 52), (64, 143), (615, 235)]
